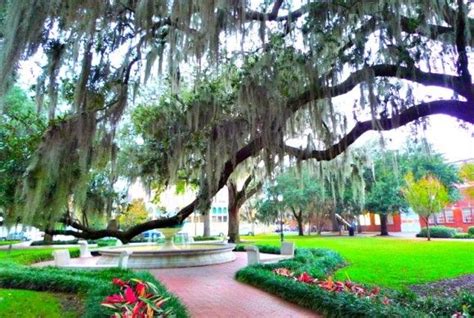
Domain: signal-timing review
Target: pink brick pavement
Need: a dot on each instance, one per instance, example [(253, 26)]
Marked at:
[(212, 292)]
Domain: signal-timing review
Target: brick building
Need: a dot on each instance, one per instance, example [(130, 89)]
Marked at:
[(459, 215)]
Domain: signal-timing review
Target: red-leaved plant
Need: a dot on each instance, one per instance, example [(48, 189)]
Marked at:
[(331, 285), (136, 299)]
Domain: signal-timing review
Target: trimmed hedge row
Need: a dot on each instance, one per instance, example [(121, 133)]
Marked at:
[(94, 285), (320, 263), (470, 230), (438, 232)]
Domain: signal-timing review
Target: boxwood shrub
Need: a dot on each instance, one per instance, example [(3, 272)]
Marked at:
[(463, 236), (93, 285), (470, 230), (320, 263), (43, 243), (438, 232)]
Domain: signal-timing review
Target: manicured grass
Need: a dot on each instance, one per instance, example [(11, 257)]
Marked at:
[(30, 256), (8, 242), (390, 262), (31, 304)]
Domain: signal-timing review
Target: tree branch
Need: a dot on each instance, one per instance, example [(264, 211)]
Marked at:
[(457, 109)]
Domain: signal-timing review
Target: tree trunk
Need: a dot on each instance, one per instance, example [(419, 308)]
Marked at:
[(299, 219), (428, 234), (359, 227), (48, 238), (207, 224), (383, 225), (233, 207), (335, 223)]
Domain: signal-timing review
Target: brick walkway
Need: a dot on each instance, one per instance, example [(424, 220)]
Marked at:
[(212, 292)]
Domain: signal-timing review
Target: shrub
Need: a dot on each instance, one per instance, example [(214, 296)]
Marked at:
[(95, 285), (206, 238), (43, 243), (106, 242), (470, 230), (463, 236), (319, 263), (268, 249), (438, 232)]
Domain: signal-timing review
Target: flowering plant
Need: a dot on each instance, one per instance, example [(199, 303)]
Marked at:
[(136, 299), (331, 285)]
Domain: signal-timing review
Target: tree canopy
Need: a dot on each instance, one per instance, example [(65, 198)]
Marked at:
[(223, 103)]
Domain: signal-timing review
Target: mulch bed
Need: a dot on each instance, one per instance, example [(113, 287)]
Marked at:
[(446, 287)]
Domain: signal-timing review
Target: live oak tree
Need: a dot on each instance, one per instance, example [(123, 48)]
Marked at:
[(217, 116)]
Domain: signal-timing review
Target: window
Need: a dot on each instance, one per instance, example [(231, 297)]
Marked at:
[(389, 219), (377, 219), (440, 217), (431, 219), (449, 216), (364, 219), (467, 215), (214, 218), (224, 218), (219, 218)]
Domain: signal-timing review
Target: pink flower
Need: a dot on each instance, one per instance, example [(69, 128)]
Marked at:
[(118, 282), (130, 296), (140, 289), (305, 278), (116, 298)]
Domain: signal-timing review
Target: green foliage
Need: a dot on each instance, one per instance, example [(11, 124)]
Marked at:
[(383, 188), (426, 196), (206, 238), (322, 263), (300, 192), (96, 285), (463, 236), (470, 230), (135, 213), (466, 173), (20, 134), (42, 243), (106, 242), (371, 259), (438, 232)]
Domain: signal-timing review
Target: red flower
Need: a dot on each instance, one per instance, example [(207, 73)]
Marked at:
[(116, 298), (130, 296), (136, 310), (140, 289), (305, 278), (118, 282)]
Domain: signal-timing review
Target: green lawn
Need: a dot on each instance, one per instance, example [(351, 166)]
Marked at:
[(390, 262), (30, 256), (26, 303), (8, 242)]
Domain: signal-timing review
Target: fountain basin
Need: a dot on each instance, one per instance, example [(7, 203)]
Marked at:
[(156, 256)]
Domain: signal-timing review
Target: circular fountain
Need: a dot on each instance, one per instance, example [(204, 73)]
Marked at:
[(169, 254)]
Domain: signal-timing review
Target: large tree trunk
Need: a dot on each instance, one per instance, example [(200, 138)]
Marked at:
[(48, 238), (233, 207), (383, 225), (299, 219), (207, 224)]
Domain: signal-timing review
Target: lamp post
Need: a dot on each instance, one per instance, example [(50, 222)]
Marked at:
[(280, 199)]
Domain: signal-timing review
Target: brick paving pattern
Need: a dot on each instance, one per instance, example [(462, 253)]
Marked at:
[(212, 292)]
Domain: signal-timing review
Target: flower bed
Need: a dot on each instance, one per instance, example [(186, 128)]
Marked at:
[(304, 281), (94, 285)]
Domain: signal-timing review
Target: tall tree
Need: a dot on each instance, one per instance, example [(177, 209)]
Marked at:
[(425, 196), (227, 115)]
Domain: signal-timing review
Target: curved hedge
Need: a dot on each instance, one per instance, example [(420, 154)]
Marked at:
[(94, 285), (321, 263)]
